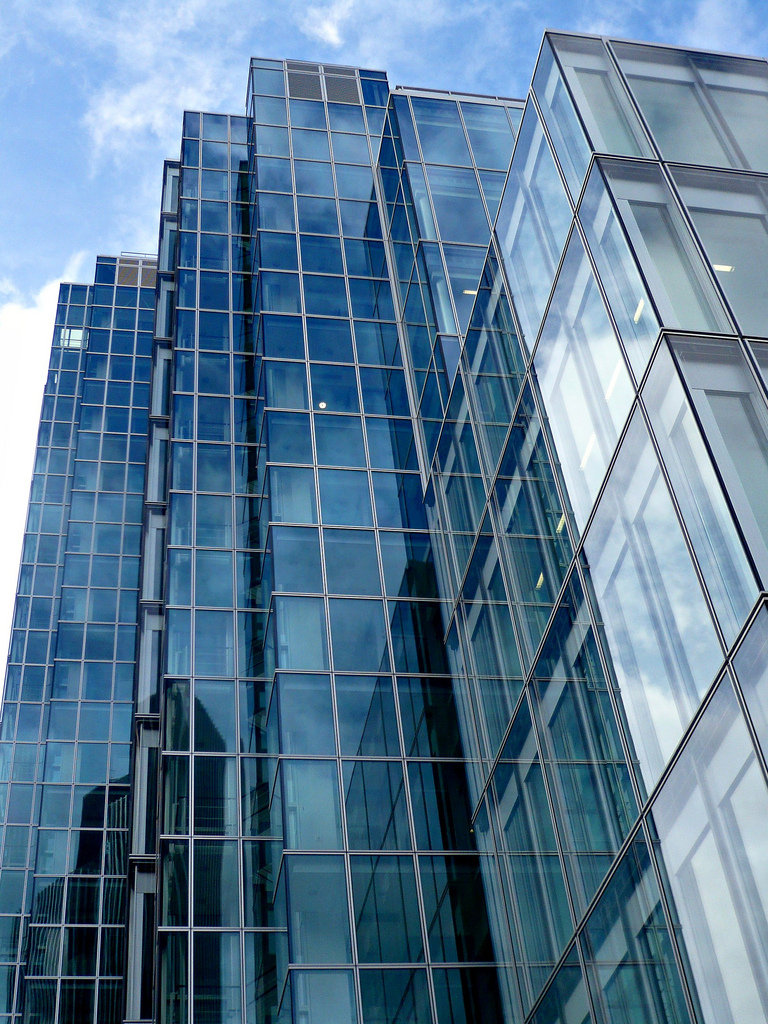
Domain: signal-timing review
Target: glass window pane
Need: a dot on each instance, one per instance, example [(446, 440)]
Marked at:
[(339, 441), (454, 904), (734, 416), (589, 777), (311, 805), (345, 498), (627, 297), (216, 880), (701, 108), (395, 995), (366, 713), (292, 495), (296, 557), (386, 910), (358, 636), (564, 127), (460, 213), (730, 213), (440, 131), (305, 714), (658, 628), (374, 801), (317, 895), (285, 385), (329, 340), (215, 803), (489, 133), (718, 547), (600, 97), (709, 816), (532, 224), (216, 993), (674, 270), (583, 378), (301, 641), (630, 964), (334, 388), (351, 564), (215, 725)]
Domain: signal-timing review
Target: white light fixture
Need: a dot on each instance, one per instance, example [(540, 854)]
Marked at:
[(723, 268), (321, 405), (468, 291), (639, 310)]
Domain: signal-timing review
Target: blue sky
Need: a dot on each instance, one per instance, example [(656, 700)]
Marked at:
[(91, 96)]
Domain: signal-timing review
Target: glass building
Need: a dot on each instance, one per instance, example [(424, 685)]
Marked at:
[(391, 643)]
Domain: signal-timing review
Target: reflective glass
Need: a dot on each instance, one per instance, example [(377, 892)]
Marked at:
[(358, 636), (351, 563), (374, 800), (454, 904), (683, 292), (732, 411), (702, 108), (339, 440), (395, 996), (528, 834), (629, 302), (334, 388), (301, 637), (560, 117), (215, 879), (305, 714), (366, 714), (215, 725), (583, 378), (589, 777), (458, 207), (386, 910), (599, 96), (631, 968), (565, 1001), (216, 992), (345, 498), (490, 134), (311, 805), (292, 495), (709, 816), (440, 131), (659, 632), (718, 546), (730, 213), (534, 536), (296, 558), (317, 894), (532, 224)]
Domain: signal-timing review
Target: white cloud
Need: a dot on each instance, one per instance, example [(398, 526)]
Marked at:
[(325, 23), (725, 25), (25, 339)]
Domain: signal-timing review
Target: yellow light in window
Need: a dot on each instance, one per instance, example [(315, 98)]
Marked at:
[(468, 291), (639, 310), (723, 268), (561, 524), (540, 581)]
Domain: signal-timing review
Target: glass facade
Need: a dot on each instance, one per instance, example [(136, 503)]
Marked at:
[(390, 644)]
